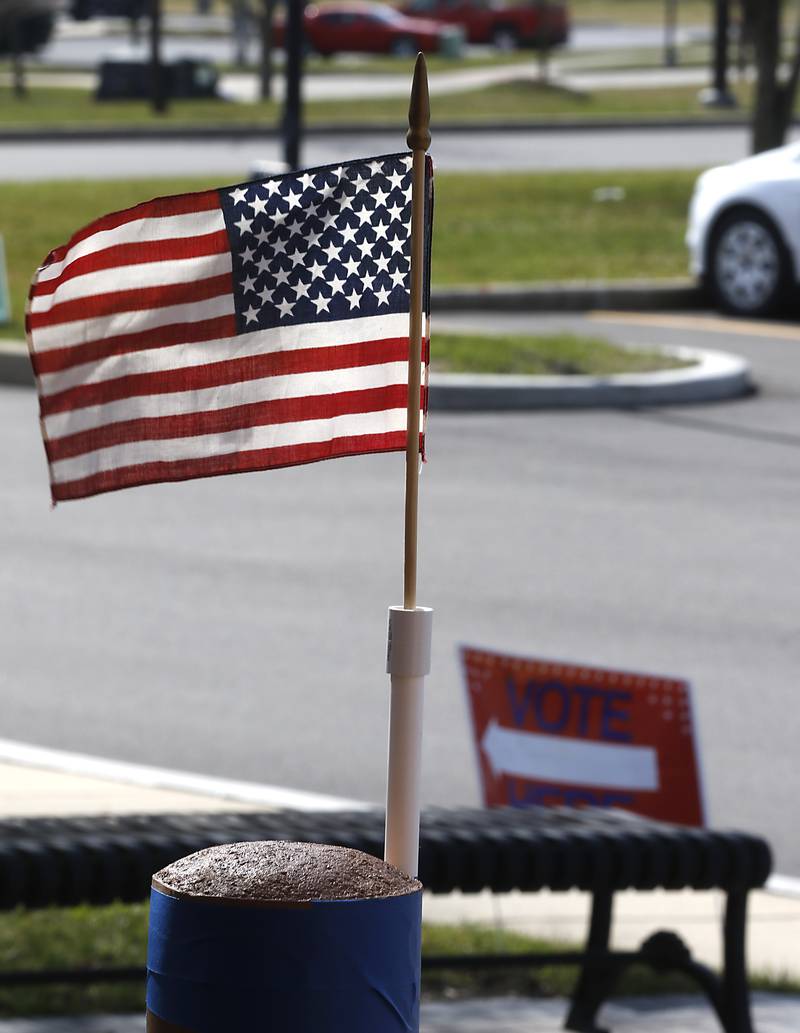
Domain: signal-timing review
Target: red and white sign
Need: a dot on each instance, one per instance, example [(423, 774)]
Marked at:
[(555, 734)]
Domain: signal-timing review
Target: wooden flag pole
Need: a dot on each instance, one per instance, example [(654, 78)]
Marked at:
[(409, 652), (418, 139)]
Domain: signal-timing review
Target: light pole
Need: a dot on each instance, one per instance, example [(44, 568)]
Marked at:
[(292, 115)]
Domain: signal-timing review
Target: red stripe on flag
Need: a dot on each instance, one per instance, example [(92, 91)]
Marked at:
[(237, 417), (231, 371), (137, 254), (60, 359), (234, 462), (136, 300), (159, 207)]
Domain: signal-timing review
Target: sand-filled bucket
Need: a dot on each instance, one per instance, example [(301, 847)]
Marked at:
[(284, 937)]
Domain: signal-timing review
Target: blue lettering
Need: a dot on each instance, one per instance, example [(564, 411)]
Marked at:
[(518, 707), (526, 794), (611, 713), (538, 704), (553, 705), (584, 694)]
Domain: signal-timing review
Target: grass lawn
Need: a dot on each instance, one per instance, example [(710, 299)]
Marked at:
[(116, 936), (517, 227), (340, 64), (640, 12), (551, 353), (505, 227), (520, 100)]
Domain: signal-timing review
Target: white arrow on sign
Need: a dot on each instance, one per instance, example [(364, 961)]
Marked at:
[(552, 758)]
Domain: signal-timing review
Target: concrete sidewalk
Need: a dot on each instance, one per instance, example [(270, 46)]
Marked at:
[(773, 1014)]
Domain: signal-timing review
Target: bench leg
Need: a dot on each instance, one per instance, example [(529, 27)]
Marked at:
[(599, 971), (728, 994), (734, 991)]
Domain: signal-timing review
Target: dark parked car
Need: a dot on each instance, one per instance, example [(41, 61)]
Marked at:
[(185, 78), (81, 10)]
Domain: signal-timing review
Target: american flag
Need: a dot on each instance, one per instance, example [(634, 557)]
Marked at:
[(236, 329)]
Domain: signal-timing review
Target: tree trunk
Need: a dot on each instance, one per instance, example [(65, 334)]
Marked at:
[(774, 97), (769, 128), (670, 33), (17, 59), (267, 13), (158, 85), (241, 32)]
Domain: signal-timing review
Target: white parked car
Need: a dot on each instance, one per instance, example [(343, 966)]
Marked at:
[(744, 231)]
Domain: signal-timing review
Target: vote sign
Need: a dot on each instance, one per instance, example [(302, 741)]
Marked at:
[(555, 734)]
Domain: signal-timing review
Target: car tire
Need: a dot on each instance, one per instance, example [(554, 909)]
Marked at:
[(404, 46), (748, 268), (505, 37)]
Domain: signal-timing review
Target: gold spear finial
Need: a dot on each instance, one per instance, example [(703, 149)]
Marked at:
[(418, 137)]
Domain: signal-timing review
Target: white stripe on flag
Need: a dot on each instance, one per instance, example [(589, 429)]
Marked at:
[(65, 335), (249, 439), (258, 342), (132, 277), (166, 227), (248, 392), (555, 758)]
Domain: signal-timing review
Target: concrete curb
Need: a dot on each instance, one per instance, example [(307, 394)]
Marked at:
[(716, 376), (575, 296), (248, 130), (15, 366)]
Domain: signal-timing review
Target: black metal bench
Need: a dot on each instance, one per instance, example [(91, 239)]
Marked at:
[(96, 860)]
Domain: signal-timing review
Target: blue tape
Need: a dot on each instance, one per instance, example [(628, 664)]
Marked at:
[(334, 966)]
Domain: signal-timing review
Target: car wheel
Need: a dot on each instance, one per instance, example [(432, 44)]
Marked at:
[(749, 268), (505, 37), (404, 46)]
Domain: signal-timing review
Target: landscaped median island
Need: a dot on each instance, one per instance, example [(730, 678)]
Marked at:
[(116, 936), (565, 354)]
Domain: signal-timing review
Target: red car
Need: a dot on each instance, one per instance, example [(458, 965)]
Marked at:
[(374, 29), (534, 23)]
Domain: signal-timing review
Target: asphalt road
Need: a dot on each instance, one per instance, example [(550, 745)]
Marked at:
[(236, 626), (461, 151)]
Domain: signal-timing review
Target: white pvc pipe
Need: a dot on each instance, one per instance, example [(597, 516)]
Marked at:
[(408, 661)]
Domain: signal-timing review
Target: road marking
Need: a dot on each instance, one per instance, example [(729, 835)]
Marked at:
[(551, 758), (165, 778), (712, 324)]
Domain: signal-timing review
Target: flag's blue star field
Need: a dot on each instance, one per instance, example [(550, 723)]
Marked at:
[(329, 243)]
